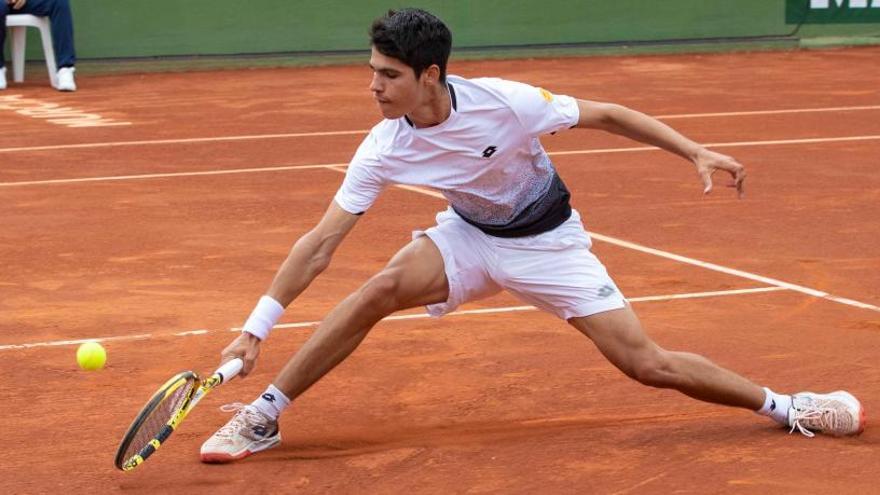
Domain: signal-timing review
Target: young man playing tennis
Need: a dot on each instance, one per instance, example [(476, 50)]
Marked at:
[(509, 226)]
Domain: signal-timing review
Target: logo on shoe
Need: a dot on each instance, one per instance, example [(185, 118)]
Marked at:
[(260, 430), (772, 405), (268, 397)]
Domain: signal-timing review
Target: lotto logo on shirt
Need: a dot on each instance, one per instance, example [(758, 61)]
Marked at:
[(546, 94)]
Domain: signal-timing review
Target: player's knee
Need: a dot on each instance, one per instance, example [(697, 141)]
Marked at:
[(380, 292), (654, 370)]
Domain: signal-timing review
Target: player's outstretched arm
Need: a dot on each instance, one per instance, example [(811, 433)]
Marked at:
[(311, 254), (309, 257), (624, 121)]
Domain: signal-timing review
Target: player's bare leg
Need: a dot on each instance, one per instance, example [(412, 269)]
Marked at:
[(620, 338), (414, 277)]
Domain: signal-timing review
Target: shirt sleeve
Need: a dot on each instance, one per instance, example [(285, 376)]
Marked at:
[(538, 110), (362, 183)]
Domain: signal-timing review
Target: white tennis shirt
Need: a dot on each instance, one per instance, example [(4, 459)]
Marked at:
[(485, 158)]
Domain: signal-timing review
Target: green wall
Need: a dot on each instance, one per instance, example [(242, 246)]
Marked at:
[(138, 28)]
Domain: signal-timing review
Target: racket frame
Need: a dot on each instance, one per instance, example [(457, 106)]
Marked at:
[(196, 394)]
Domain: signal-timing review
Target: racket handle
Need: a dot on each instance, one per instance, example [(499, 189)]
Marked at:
[(229, 370)]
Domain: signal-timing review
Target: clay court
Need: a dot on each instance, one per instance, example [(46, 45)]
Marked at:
[(159, 235)]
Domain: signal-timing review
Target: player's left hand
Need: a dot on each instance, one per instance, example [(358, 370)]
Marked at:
[(17, 4), (708, 162)]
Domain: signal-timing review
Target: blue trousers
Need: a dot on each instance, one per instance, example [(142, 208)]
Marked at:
[(60, 19)]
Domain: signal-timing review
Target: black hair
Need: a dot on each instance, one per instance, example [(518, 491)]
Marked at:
[(415, 37)]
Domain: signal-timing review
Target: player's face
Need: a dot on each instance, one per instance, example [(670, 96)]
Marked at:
[(395, 86)]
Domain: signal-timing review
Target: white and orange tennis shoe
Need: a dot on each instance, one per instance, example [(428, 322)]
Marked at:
[(248, 432), (837, 414)]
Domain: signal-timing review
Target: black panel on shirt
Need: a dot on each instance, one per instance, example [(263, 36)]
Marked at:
[(546, 213), (452, 96)]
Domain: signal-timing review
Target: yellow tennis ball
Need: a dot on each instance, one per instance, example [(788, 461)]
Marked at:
[(91, 356)]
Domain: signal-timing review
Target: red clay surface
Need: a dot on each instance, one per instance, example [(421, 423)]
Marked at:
[(492, 403)]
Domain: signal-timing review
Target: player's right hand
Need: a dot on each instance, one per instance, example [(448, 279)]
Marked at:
[(247, 347)]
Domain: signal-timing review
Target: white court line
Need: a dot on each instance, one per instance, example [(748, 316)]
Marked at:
[(306, 324), (735, 272), (723, 145), (364, 131), (702, 264), (191, 332), (182, 141), (53, 343), (337, 166), (766, 112), (169, 174)]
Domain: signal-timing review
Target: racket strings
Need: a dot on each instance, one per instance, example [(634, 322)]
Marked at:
[(159, 417)]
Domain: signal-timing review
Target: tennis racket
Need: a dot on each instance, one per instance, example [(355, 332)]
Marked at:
[(164, 412)]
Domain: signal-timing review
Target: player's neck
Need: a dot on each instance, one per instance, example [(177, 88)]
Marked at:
[(434, 111)]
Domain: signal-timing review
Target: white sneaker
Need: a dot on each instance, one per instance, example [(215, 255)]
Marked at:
[(248, 432), (837, 414), (2, 77), (65, 79)]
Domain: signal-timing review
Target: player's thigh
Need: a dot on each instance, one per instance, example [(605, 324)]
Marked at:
[(468, 260), (556, 272), (415, 275), (620, 337)]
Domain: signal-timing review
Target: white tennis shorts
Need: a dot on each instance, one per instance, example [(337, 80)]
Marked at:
[(554, 271)]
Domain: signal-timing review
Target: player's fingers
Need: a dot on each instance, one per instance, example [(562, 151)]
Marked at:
[(250, 361), (739, 179), (706, 177), (231, 352), (739, 176)]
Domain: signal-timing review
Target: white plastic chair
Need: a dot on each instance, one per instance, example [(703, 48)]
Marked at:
[(18, 24)]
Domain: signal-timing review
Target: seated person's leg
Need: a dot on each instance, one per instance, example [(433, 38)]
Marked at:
[(61, 22), (4, 9)]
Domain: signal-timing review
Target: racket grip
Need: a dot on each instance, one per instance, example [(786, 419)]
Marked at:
[(229, 370)]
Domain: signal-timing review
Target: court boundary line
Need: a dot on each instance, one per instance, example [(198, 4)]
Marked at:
[(164, 175), (768, 112), (248, 137), (393, 317), (333, 166)]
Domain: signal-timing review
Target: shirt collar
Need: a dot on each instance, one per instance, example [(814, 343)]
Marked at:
[(452, 99)]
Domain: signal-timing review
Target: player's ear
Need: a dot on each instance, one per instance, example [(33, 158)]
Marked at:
[(431, 75)]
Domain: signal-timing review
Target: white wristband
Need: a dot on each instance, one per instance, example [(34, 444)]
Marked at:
[(263, 318)]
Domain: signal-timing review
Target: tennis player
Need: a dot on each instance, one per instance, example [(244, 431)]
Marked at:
[(509, 225)]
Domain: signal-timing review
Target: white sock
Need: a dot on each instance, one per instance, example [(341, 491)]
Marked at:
[(272, 402), (775, 406)]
